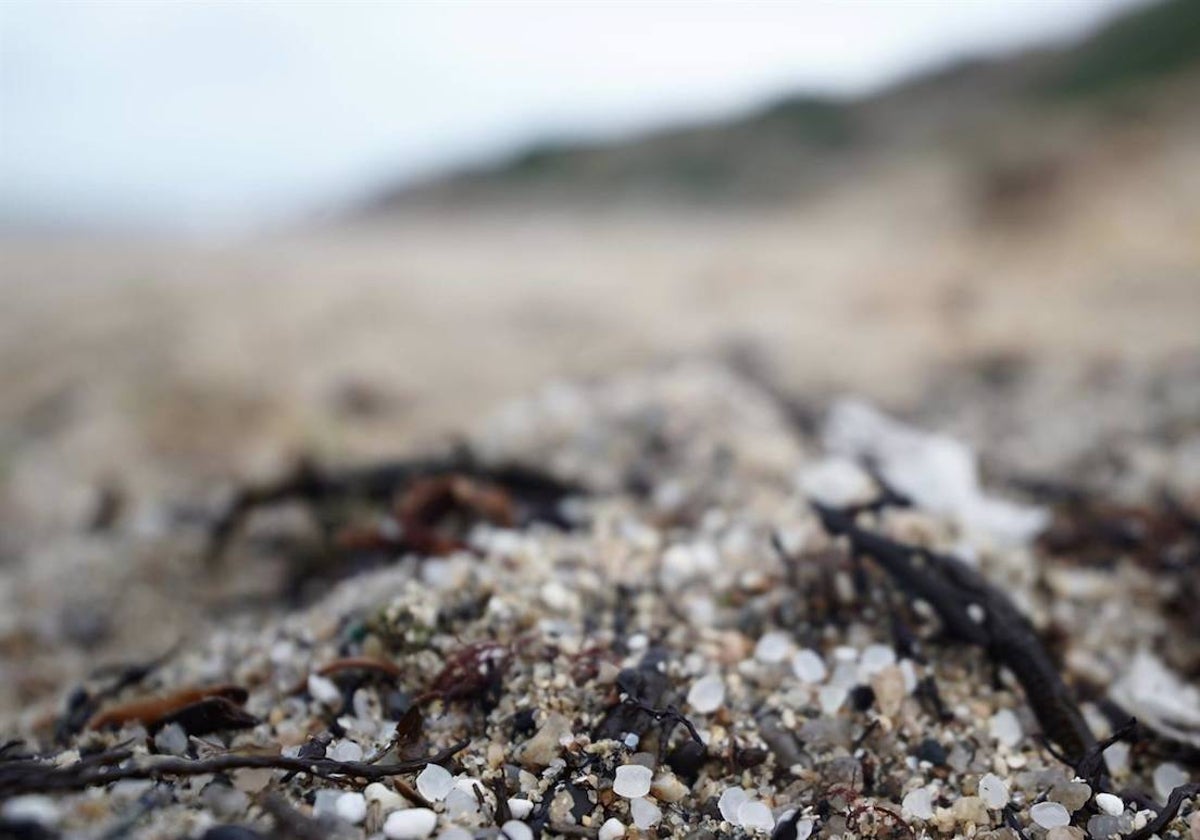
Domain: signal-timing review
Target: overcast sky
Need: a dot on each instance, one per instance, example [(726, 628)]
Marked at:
[(208, 116)]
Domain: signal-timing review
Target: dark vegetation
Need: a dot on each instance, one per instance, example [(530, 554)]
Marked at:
[(369, 515), (805, 142), (1143, 45)]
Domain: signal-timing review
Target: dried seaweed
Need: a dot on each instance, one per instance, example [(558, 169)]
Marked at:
[(472, 673), (375, 664), (35, 776), (531, 495), (787, 829), (213, 714), (430, 501), (974, 611), (153, 711), (645, 685), (1174, 803), (669, 714), (82, 704), (314, 747)]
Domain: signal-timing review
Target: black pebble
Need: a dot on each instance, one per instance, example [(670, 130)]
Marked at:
[(931, 751), (25, 830), (397, 703), (232, 832), (687, 759), (750, 757), (523, 722), (862, 697)]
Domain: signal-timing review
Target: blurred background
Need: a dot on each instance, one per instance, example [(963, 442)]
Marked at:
[(233, 233)]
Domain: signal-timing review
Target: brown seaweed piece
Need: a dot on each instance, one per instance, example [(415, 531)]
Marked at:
[(152, 711)]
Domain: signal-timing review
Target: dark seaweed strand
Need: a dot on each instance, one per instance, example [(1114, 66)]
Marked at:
[(955, 591), (20, 777), (379, 481), (1174, 803)]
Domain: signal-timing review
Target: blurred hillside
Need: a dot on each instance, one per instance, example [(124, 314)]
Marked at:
[(973, 113)]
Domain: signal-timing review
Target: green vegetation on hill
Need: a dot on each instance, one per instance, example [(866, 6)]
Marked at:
[(1138, 47), (811, 120)]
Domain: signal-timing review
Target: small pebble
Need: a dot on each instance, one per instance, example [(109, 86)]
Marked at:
[(1117, 757), (461, 802), (668, 788), (645, 813), (254, 780), (875, 658), (171, 739), (846, 654), (324, 691), (773, 647), (224, 800), (1072, 795), (918, 803), (931, 751), (993, 791), (1103, 825), (731, 800), (804, 829), (1110, 804), (351, 807), (520, 808), (611, 830), (435, 782), (809, 667), (546, 746), (958, 759), (325, 802), (970, 810), (410, 824), (1005, 728), (1050, 814), (755, 815), (345, 750), (632, 781), (1167, 777), (707, 694), (31, 808), (516, 830), (888, 685), (128, 790), (1065, 832), (456, 832), (387, 798), (831, 698)]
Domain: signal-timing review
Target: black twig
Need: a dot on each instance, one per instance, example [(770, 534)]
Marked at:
[(1010, 819), (538, 493), (20, 777), (1174, 803), (974, 611), (667, 713)]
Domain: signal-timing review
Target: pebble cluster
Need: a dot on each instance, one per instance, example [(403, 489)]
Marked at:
[(693, 580)]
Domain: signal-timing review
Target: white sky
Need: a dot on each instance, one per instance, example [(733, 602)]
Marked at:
[(198, 116)]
